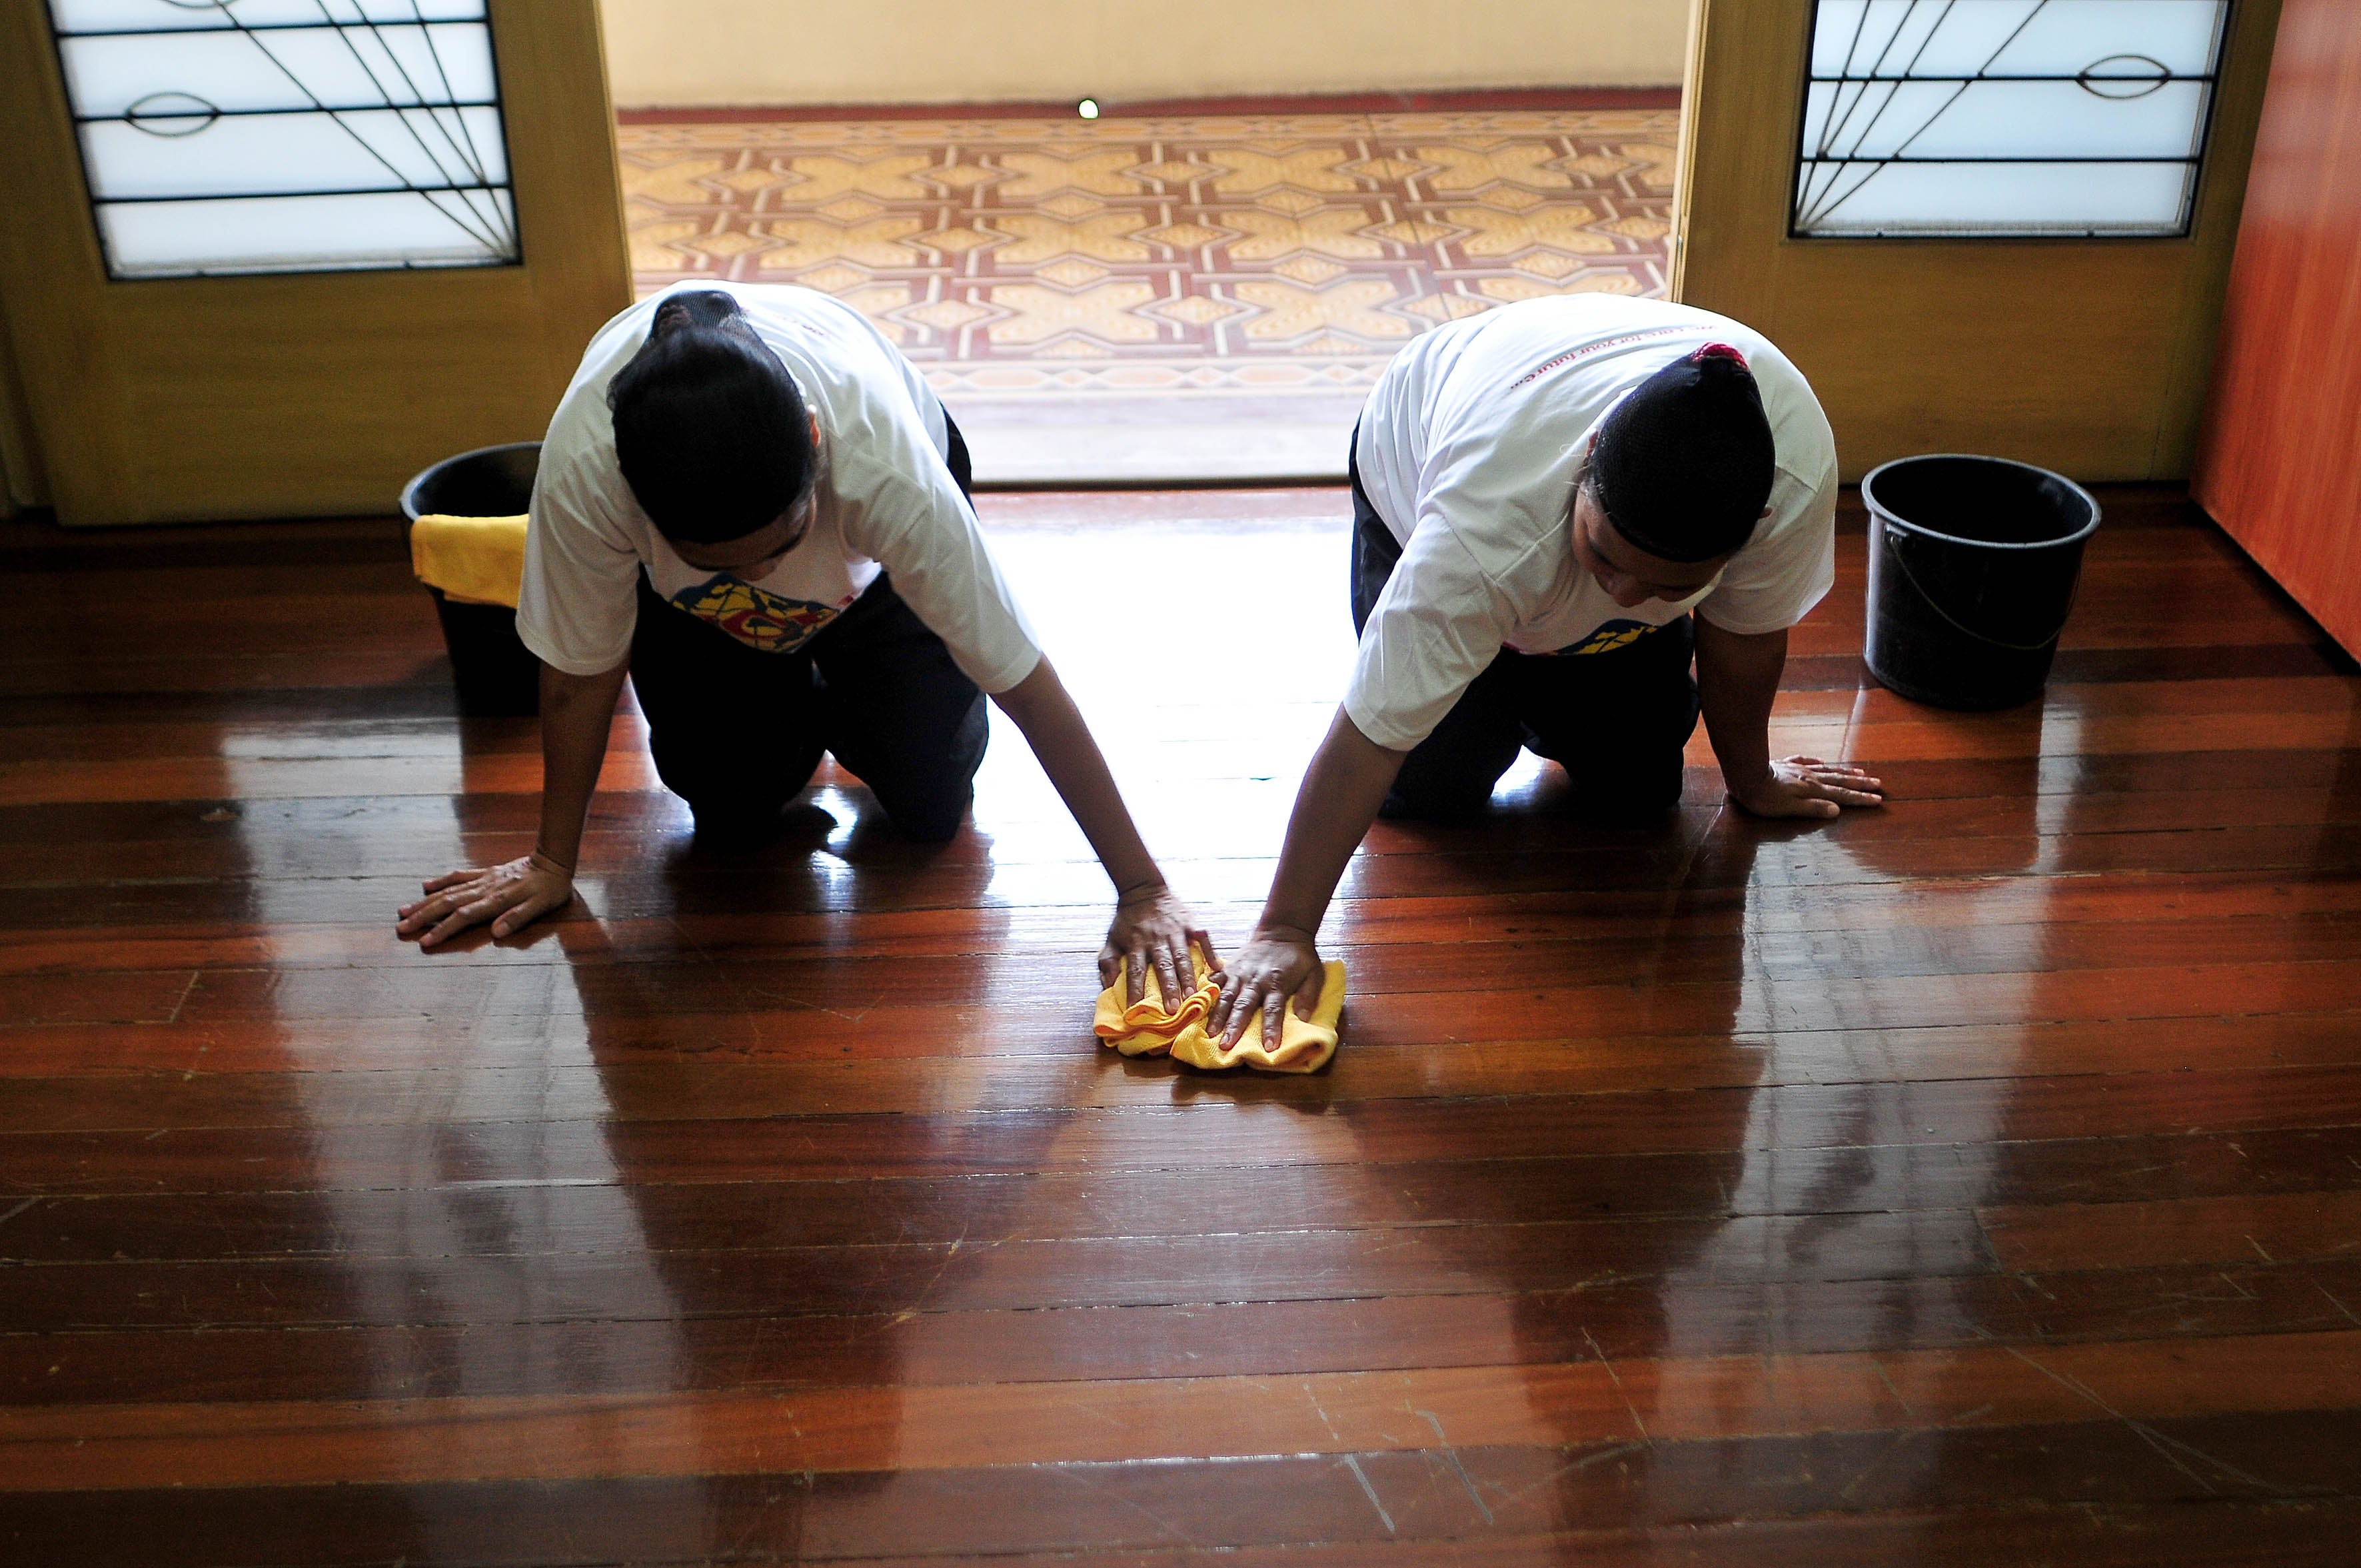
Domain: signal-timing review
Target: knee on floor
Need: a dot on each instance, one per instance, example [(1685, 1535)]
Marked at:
[(1630, 802), (1431, 805), (930, 821), (727, 811)]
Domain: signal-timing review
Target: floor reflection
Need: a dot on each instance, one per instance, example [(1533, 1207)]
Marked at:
[(1846, 1167), (468, 1208), (1502, 1270), (855, 1294), (1850, 1166), (1701, 967), (825, 1310)]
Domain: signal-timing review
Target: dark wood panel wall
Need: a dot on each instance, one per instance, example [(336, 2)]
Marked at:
[(2280, 467)]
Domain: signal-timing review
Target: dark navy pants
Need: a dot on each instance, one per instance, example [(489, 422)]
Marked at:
[(738, 732), (1617, 720)]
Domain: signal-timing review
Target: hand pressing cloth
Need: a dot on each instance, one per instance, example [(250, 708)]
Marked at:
[(1147, 1029)]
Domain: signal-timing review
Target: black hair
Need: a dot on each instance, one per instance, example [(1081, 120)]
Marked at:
[(711, 431), (1683, 465)]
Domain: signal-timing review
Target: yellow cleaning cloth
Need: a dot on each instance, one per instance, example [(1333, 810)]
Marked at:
[(1146, 1030), (475, 560)]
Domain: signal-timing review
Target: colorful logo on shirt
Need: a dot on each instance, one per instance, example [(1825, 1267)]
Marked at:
[(757, 619), (1614, 634)]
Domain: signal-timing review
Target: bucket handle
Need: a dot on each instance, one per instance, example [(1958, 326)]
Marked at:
[(1903, 565)]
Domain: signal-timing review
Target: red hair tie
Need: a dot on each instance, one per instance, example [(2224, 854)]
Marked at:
[(1718, 351)]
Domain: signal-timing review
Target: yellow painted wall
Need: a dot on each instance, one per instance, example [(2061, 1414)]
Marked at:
[(683, 52)]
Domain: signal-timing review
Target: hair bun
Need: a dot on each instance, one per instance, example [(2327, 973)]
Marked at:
[(710, 429), (1684, 463), (694, 307)]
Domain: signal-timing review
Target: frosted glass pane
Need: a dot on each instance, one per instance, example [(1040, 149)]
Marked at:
[(1922, 116), (341, 68), (2000, 119), (2025, 198), (2010, 37), (304, 234), (223, 136), (294, 153), (171, 16)]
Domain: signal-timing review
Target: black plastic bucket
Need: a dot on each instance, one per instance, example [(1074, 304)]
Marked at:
[(495, 674), (1972, 569)]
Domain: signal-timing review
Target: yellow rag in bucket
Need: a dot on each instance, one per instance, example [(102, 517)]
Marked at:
[(1146, 1030), (475, 560)]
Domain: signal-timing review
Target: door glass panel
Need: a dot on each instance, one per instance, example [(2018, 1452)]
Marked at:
[(289, 136), (2006, 117)]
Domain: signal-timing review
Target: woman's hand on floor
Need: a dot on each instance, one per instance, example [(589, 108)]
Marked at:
[(1805, 786), (1152, 928), (511, 895), (1277, 962)]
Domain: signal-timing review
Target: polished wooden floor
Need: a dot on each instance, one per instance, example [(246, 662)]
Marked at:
[(1975, 1182)]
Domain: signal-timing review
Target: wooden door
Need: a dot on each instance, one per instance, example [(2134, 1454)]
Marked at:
[(2280, 464), (245, 391), (2083, 353)]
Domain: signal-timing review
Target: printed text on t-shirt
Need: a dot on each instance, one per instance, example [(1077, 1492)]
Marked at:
[(1538, 371)]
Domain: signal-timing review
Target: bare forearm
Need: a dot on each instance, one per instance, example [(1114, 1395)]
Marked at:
[(1069, 754), (1339, 798), (1737, 681), (577, 712)]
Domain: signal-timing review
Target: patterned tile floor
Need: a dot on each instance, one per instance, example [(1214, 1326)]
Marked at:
[(1255, 266)]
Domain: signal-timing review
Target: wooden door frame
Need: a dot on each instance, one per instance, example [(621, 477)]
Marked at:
[(303, 394), (21, 482), (2089, 356)]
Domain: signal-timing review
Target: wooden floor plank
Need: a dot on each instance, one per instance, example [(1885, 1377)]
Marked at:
[(661, 1352), (2035, 1485), (930, 1427), (2067, 1183), (1222, 1132)]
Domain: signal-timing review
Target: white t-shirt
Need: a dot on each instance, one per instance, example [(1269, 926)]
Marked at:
[(1468, 450), (885, 497)]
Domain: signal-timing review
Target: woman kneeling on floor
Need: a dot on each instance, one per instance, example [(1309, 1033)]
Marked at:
[(755, 506)]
